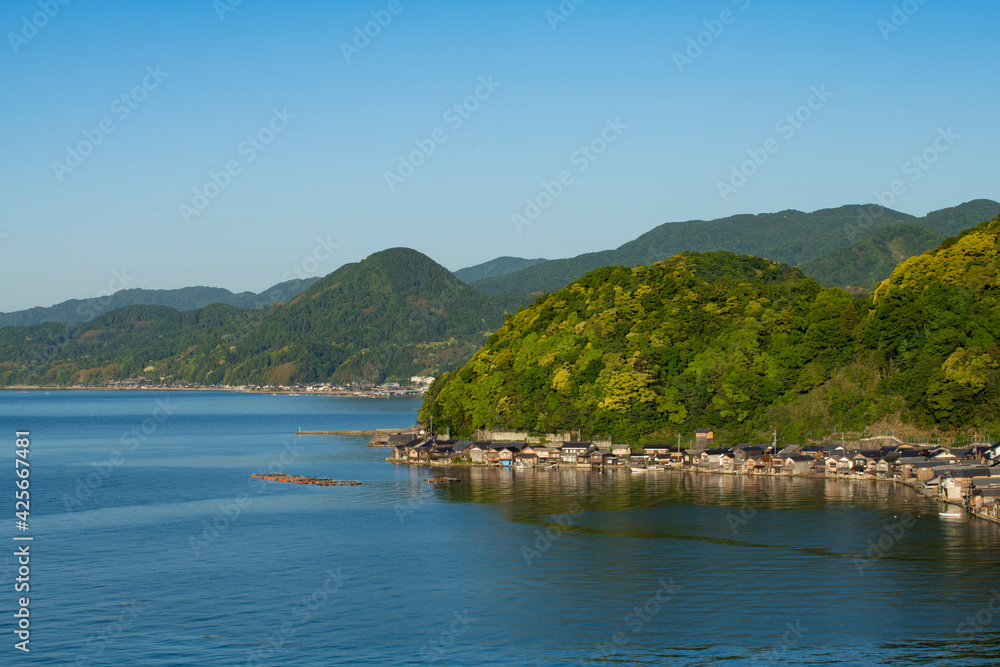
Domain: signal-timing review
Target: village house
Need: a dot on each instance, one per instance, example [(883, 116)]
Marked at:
[(576, 452), (621, 450), (797, 464), (601, 457), (704, 437), (479, 451), (711, 459), (692, 458)]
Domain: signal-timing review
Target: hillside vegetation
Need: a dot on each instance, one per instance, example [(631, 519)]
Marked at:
[(394, 314), (741, 344)]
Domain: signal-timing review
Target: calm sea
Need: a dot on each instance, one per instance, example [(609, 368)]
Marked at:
[(154, 546)]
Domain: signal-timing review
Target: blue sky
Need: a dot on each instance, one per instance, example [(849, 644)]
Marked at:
[(210, 85)]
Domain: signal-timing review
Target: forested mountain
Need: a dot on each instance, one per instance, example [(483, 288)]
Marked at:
[(872, 259), (394, 314), (741, 344), (495, 267), (791, 237), (186, 298)]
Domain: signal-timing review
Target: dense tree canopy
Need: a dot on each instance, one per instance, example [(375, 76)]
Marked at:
[(735, 342)]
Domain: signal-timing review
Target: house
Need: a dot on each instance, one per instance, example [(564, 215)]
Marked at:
[(815, 451), (576, 452), (704, 437), (601, 457), (711, 459), (504, 454), (789, 450), (461, 448), (656, 450), (865, 460), (529, 460), (692, 458), (742, 453), (797, 464), (621, 450), (837, 463), (638, 459), (479, 451)]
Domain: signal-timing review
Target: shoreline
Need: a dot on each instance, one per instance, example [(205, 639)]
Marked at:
[(231, 390), (920, 490)]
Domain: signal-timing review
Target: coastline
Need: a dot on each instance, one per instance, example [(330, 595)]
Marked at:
[(230, 390), (919, 489)]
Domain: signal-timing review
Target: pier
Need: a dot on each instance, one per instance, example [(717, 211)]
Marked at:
[(378, 431)]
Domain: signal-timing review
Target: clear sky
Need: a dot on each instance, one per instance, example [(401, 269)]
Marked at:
[(309, 128)]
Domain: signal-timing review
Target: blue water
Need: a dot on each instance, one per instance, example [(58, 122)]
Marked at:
[(154, 546)]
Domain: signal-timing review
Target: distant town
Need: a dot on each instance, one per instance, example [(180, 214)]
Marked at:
[(416, 386)]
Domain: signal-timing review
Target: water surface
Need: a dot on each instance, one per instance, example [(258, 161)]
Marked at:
[(154, 546)]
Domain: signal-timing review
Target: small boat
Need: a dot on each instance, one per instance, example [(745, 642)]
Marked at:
[(950, 514), (636, 469)]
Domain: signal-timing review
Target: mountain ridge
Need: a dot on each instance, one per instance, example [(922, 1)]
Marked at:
[(790, 236)]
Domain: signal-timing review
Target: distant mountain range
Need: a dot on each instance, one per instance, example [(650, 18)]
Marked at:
[(185, 298), (790, 237), (398, 313), (395, 314), (495, 267)]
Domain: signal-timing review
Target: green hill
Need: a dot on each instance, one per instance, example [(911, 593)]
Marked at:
[(873, 258), (791, 237), (186, 298), (741, 344), (394, 314)]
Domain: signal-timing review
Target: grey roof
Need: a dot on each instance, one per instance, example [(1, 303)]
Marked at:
[(963, 472)]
